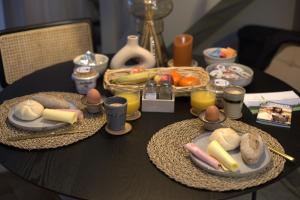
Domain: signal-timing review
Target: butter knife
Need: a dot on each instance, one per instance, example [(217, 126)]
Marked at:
[(288, 157), (42, 135)]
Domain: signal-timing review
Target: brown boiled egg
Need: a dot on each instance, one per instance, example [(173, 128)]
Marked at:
[(212, 113), (93, 96)]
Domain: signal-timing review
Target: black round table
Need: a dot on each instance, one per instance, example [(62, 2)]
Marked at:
[(109, 167)]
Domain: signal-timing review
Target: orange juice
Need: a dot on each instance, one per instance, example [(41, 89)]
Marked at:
[(201, 99), (133, 101)]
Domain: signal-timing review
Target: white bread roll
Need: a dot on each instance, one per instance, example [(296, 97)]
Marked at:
[(252, 148), (226, 137), (28, 110)]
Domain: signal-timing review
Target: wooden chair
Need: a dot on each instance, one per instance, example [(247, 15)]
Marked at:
[(27, 49)]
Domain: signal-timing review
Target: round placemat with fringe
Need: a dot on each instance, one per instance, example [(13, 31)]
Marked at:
[(66, 135), (165, 150)]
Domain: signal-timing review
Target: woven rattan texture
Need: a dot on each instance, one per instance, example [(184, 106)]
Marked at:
[(86, 128), (166, 151), (28, 51), (179, 90)]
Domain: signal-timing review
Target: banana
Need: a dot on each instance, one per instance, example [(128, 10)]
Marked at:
[(134, 78)]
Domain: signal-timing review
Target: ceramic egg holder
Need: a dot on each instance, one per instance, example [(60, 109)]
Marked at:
[(93, 101), (212, 120)]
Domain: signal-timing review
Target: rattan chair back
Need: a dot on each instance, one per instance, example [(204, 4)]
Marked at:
[(24, 52)]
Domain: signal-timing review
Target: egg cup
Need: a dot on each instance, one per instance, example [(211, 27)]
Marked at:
[(92, 108), (212, 125)]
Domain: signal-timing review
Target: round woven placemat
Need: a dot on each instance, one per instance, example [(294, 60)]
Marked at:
[(166, 151), (78, 131)]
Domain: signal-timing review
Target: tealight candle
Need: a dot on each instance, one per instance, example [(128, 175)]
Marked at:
[(201, 99)]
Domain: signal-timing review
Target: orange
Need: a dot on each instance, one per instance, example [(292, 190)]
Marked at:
[(189, 81), (176, 77)]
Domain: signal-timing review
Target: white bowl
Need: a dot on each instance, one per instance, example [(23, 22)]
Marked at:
[(236, 74), (101, 62), (211, 60)]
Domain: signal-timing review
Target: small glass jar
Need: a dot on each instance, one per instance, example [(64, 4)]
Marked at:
[(217, 86), (150, 90), (165, 90)]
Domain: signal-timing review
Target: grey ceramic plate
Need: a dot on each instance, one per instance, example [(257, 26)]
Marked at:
[(39, 124), (244, 170)]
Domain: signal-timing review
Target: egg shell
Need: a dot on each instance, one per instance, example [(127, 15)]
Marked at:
[(212, 113), (93, 96)]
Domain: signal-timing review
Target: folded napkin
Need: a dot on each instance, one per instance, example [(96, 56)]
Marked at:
[(196, 151), (60, 115), (217, 151)]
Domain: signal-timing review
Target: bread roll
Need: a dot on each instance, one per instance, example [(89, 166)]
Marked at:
[(50, 101), (226, 137), (252, 148), (28, 110)]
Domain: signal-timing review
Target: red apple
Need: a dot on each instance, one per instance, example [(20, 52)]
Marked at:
[(166, 78)]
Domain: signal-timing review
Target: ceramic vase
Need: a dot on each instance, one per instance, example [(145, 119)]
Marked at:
[(132, 50)]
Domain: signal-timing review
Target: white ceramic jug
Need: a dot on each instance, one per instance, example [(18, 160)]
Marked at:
[(132, 50)]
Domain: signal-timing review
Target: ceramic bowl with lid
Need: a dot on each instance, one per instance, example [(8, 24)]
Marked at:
[(213, 55), (100, 59), (217, 86)]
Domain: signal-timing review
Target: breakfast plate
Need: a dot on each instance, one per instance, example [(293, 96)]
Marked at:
[(244, 170), (39, 124)]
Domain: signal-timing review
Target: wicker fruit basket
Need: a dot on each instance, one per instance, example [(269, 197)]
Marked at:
[(113, 74)]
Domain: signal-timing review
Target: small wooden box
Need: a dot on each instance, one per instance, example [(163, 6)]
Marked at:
[(158, 105)]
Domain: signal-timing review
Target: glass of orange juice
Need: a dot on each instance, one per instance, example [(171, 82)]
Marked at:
[(201, 98), (132, 95)]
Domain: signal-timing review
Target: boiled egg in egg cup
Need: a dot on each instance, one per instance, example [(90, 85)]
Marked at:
[(93, 101), (212, 118)]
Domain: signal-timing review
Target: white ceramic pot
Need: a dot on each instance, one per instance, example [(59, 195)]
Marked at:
[(132, 50)]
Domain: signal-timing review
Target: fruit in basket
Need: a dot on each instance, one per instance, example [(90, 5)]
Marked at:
[(163, 78), (176, 77), (134, 78), (189, 81)]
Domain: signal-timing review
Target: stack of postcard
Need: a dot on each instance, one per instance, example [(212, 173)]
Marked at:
[(275, 114), (254, 100)]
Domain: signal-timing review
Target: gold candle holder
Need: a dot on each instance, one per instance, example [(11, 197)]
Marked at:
[(150, 13)]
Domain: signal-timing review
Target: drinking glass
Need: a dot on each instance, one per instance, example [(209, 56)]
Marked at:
[(115, 109), (233, 101), (201, 98), (132, 95)]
